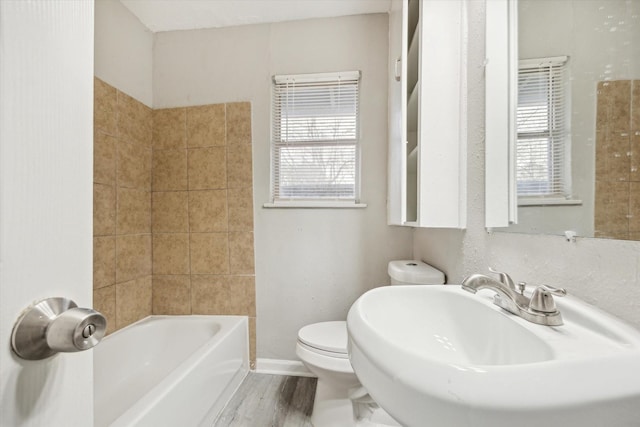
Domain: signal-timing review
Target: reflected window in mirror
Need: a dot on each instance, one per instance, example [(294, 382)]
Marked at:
[(543, 136)]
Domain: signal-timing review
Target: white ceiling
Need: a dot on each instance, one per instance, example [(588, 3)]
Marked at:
[(170, 15)]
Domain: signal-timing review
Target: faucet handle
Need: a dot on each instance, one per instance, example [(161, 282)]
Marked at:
[(559, 292), (504, 278), (542, 299)]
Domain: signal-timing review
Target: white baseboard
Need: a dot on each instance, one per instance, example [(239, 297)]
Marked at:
[(282, 367)]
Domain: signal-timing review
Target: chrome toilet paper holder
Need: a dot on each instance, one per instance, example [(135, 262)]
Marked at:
[(55, 325)]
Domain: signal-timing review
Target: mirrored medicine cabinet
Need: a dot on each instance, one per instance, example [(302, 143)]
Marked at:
[(579, 102)]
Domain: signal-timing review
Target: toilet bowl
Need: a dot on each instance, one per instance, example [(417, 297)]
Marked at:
[(340, 399), (322, 347)]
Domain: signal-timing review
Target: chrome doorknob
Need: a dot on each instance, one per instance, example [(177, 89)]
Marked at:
[(56, 325)]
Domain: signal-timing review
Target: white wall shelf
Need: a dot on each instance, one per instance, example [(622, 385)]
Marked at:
[(427, 115)]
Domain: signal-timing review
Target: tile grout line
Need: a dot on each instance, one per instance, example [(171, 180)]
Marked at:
[(153, 126), (186, 144), (117, 114)]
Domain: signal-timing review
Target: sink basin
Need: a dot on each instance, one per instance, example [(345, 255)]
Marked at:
[(440, 356)]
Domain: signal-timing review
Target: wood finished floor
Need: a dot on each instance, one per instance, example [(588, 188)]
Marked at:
[(264, 400)]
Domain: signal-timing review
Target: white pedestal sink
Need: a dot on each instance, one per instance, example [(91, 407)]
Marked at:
[(440, 356)]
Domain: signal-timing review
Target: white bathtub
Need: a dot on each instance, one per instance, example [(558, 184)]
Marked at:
[(169, 370)]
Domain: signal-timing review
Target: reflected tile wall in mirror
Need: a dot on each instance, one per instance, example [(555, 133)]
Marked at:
[(617, 201)]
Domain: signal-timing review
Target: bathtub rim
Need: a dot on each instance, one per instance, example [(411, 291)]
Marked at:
[(173, 316)]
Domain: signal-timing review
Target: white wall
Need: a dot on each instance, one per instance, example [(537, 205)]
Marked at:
[(123, 50), (311, 264), (603, 272)]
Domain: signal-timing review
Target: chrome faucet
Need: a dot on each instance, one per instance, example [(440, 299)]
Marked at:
[(540, 308)]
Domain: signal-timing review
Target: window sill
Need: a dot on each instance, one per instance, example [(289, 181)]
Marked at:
[(314, 205), (548, 201)]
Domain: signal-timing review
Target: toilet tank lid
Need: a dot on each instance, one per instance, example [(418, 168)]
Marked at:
[(327, 336), (413, 271)]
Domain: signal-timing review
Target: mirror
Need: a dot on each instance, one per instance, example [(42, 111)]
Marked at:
[(578, 118)]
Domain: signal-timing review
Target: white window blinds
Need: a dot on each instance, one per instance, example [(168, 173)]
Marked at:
[(542, 163), (315, 150)]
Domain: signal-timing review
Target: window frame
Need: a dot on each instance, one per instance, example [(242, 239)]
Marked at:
[(276, 144)]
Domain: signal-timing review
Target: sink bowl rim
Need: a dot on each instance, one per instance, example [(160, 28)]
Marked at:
[(448, 380)]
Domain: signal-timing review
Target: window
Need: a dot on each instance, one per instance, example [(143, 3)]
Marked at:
[(542, 162), (315, 144)]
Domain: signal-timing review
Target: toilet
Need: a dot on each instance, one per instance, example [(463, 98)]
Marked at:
[(340, 399)]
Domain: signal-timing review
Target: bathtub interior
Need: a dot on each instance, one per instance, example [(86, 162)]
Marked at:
[(138, 366)]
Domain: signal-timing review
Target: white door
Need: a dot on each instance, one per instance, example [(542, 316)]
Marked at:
[(46, 162)]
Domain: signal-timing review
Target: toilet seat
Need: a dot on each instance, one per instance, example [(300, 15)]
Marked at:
[(325, 338)]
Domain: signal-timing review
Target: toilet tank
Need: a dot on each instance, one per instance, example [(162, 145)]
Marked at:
[(412, 272)]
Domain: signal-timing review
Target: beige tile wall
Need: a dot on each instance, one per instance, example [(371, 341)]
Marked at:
[(173, 210), (121, 207), (617, 204), (202, 212)]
